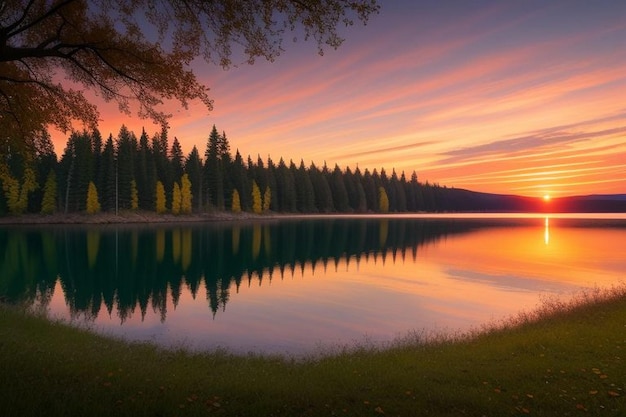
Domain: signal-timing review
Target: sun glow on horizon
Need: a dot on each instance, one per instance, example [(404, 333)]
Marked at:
[(546, 197)]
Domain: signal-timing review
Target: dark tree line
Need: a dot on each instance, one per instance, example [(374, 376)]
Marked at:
[(125, 171)]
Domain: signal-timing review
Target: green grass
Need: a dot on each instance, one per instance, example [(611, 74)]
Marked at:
[(564, 359)]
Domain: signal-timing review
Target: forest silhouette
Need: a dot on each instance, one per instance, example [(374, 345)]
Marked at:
[(152, 174), (126, 173)]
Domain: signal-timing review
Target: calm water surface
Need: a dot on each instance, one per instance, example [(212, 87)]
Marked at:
[(305, 285)]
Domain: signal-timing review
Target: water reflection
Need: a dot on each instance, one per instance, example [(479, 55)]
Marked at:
[(382, 271), (128, 268)]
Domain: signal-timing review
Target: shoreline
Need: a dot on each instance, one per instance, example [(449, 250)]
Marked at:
[(148, 217), (127, 217)]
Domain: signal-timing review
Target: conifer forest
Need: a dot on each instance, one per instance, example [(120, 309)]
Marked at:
[(153, 174)]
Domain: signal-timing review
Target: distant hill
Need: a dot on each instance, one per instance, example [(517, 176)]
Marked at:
[(455, 199), (591, 203)]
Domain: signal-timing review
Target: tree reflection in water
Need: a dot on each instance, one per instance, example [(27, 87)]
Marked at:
[(130, 268)]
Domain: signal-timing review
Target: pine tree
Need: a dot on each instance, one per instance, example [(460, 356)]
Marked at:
[(272, 185), (193, 168), (285, 191), (361, 200), (236, 204), (401, 197), (414, 194), (185, 194), (369, 187), (97, 146), (145, 173), (304, 189), (176, 160), (49, 199), (76, 171), (257, 206), (226, 166), (93, 205), (267, 198), (240, 181), (108, 175), (338, 189), (126, 150), (213, 170), (45, 161), (160, 198), (162, 162), (321, 190), (260, 174)]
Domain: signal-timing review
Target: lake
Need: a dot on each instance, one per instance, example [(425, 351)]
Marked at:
[(306, 285)]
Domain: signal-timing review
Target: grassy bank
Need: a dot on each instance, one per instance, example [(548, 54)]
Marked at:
[(563, 359)]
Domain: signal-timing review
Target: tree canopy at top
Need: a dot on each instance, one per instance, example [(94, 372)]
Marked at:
[(138, 51)]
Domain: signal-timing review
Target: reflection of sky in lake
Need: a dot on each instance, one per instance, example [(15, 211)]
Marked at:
[(448, 284)]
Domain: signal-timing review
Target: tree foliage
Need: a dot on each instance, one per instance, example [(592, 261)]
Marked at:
[(139, 53), (160, 198), (267, 198), (383, 200), (48, 202), (236, 203), (16, 190), (93, 205), (176, 199), (132, 173), (186, 196), (134, 195), (257, 206)]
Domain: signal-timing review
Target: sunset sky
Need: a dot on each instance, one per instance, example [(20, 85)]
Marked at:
[(515, 97)]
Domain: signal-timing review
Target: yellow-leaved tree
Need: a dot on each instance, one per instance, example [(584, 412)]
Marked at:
[(16, 191), (176, 199), (383, 200), (236, 203), (185, 194), (160, 198), (257, 206), (49, 199), (93, 205), (267, 198), (134, 195)]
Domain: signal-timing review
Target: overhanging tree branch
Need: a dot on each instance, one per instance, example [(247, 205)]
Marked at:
[(140, 50)]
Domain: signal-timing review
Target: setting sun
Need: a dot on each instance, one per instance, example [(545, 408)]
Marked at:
[(546, 197)]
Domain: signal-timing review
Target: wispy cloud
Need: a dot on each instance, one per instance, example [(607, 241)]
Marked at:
[(493, 96)]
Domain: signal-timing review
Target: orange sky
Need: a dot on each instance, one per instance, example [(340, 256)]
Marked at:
[(521, 98)]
